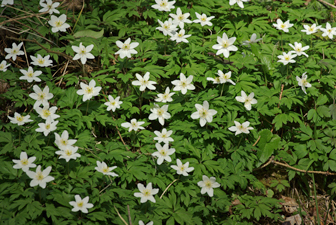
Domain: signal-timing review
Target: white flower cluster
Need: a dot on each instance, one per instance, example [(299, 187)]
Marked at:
[(68, 151)]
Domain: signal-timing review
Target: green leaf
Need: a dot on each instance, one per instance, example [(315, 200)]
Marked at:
[(89, 33)]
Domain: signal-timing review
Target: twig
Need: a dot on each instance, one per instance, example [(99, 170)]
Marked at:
[(23, 17), (293, 168), (129, 215), (303, 171), (282, 88), (119, 215), (256, 141), (25, 52), (168, 187), (327, 3), (266, 164), (66, 66), (80, 13), (105, 187), (48, 50)]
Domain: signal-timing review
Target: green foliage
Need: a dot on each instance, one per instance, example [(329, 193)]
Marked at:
[(289, 126)]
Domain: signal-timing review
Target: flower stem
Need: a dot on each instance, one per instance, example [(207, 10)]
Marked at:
[(87, 107), (19, 134), (240, 141), (281, 42), (222, 90), (317, 211)]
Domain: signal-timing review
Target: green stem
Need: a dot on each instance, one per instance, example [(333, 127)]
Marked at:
[(20, 134), (222, 90), (317, 212), (40, 194), (68, 168), (87, 107), (141, 99), (281, 42), (240, 141), (84, 73), (165, 47)]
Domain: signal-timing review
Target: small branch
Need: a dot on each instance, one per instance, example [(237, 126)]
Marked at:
[(80, 13), (106, 187), (129, 215), (120, 215), (257, 141), (168, 187), (48, 50), (327, 3), (23, 17), (293, 168)]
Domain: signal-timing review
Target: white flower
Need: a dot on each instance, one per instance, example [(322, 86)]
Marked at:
[(40, 96), (63, 141), (144, 82), (160, 113), (70, 152), (58, 23), (40, 177), (5, 2), (103, 168), (133, 125), (241, 128), (83, 52), (142, 223), (287, 58), (225, 77), (311, 29), (14, 51), (203, 19), (166, 97), (328, 31), (163, 5), (19, 120), (204, 113), (298, 49), (282, 26), (208, 184), (30, 75), (4, 65), (183, 169), (24, 162), (126, 48), (253, 39), (239, 2), (49, 5), (164, 136), (163, 153), (146, 193), (47, 112), (180, 37), (167, 27), (225, 45), (179, 18), (88, 91), (41, 61), (248, 100), (303, 82), (113, 103), (81, 204), (215, 80), (47, 127), (183, 84)]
